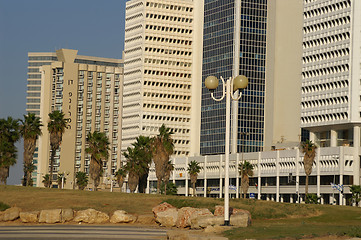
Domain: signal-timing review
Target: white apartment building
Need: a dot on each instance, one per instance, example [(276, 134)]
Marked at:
[(88, 91), (331, 86), (158, 71)]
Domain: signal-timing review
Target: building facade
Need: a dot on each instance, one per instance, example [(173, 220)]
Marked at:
[(331, 99), (277, 175), (158, 71), (88, 90), (257, 39)]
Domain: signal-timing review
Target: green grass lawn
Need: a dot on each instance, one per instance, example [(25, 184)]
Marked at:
[(270, 220)]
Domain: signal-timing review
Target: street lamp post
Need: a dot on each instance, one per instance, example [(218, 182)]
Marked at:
[(239, 82)]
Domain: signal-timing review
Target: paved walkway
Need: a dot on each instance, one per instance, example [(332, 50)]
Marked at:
[(70, 232)]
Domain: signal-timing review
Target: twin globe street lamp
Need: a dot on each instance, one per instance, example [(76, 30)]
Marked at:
[(237, 83)]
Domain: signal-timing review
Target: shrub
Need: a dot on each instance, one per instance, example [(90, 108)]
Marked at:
[(3, 206)]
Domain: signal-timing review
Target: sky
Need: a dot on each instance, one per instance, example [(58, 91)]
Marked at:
[(93, 27)]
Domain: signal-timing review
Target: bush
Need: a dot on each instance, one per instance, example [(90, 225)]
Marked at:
[(171, 188), (312, 199), (3, 206)]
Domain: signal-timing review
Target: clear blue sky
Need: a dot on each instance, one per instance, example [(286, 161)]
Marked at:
[(94, 27)]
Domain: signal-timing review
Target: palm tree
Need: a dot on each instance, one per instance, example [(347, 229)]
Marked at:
[(120, 175), (356, 193), (60, 180), (81, 180), (30, 131), (46, 180), (168, 170), (99, 151), (9, 135), (144, 156), (56, 128), (162, 149), (309, 149), (246, 171), (193, 170)]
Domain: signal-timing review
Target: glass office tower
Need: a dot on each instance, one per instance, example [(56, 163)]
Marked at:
[(219, 55)]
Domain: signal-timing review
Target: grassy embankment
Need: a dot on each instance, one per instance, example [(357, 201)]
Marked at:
[(270, 219)]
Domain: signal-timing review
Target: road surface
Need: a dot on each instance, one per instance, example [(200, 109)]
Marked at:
[(73, 232)]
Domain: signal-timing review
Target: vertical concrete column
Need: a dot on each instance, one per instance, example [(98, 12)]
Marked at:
[(147, 190), (221, 177), (259, 175), (267, 197), (291, 198), (331, 199), (297, 174), (333, 138), (173, 170), (322, 199), (356, 155), (318, 169), (278, 176), (237, 176), (341, 165), (205, 177), (312, 137), (186, 177), (281, 197)]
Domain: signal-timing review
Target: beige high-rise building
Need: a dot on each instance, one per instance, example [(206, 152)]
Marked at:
[(158, 72), (88, 90)]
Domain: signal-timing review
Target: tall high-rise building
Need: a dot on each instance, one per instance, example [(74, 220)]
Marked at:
[(88, 90), (331, 76), (158, 71), (261, 40)]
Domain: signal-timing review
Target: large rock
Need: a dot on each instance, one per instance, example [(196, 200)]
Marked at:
[(167, 218), (50, 216), (240, 220), (187, 235), (11, 214), (161, 208), (219, 211), (165, 214), (121, 216), (67, 215), (186, 214), (1, 216), (91, 216), (29, 217), (205, 221)]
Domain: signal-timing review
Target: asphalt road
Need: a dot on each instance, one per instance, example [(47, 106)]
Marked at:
[(72, 232)]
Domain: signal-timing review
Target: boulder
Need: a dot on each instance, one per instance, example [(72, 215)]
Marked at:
[(217, 229), (1, 216), (162, 207), (219, 211), (240, 220), (186, 214), (167, 218), (121, 216), (29, 217), (50, 216), (205, 221), (91, 216), (67, 215), (11, 214)]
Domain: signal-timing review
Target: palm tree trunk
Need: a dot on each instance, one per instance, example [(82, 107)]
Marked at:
[(306, 188), (158, 185), (28, 177), (194, 189), (52, 156)]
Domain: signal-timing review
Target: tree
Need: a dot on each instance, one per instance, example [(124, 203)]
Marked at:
[(170, 189), (356, 194), (144, 156), (81, 180), (120, 175), (168, 170), (99, 151), (193, 170), (60, 180), (245, 170), (309, 150), (46, 180), (162, 149), (9, 135), (30, 130), (56, 128)]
